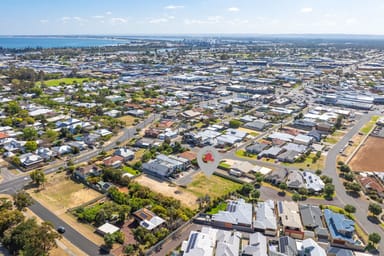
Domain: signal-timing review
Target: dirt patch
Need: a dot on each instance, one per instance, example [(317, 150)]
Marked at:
[(129, 120), (61, 193), (167, 189), (369, 157)]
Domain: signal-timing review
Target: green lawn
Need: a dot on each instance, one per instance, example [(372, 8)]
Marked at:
[(224, 166), (130, 170), (220, 207), (308, 164), (368, 126), (214, 186), (243, 154), (57, 82)]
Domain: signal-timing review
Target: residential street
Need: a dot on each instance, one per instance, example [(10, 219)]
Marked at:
[(360, 204)]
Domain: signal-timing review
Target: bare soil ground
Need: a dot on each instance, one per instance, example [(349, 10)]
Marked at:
[(370, 156), (167, 189), (61, 193)]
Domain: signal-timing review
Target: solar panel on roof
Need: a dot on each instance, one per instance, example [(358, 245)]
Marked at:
[(143, 215), (280, 204), (192, 241)]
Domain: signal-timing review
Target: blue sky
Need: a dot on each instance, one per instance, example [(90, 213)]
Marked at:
[(127, 17)]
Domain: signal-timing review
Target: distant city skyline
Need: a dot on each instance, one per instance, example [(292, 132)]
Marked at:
[(146, 17)]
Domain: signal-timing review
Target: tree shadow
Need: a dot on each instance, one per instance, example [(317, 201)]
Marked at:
[(353, 194), (373, 219)]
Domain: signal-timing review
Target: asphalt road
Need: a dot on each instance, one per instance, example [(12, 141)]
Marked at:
[(70, 233), (360, 203), (16, 184)]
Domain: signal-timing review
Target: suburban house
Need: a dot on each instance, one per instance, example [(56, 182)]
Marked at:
[(337, 251), (290, 220), (125, 153), (46, 153), (311, 248), (113, 161), (256, 148), (257, 245), (295, 180), (287, 247), (62, 150), (276, 177), (83, 172), (311, 216), (107, 228), (228, 242), (148, 219), (30, 160), (342, 230), (313, 182), (200, 243), (210, 241), (257, 125), (164, 166), (370, 184), (266, 218), (238, 215)]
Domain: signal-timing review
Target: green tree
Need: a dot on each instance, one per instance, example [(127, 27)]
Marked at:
[(29, 133), (9, 219), (38, 177), (350, 208), (234, 123), (30, 238), (12, 108), (329, 189), (375, 209), (374, 238), (283, 186), (296, 197), (30, 146), (246, 189), (22, 200), (109, 240)]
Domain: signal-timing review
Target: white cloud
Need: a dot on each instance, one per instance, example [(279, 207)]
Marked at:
[(65, 19), (108, 13), (98, 17), (44, 21), (117, 20), (173, 7), (158, 20), (306, 10), (208, 20), (233, 9), (351, 21), (238, 22)]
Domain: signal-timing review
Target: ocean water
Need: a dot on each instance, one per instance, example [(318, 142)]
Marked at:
[(20, 42)]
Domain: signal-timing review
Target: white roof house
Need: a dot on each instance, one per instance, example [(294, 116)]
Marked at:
[(265, 216), (311, 248), (237, 212), (257, 245), (200, 243), (228, 243), (107, 228), (281, 136), (313, 182)]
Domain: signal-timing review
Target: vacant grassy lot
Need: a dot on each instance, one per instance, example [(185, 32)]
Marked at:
[(243, 154), (335, 137), (60, 192), (368, 127), (57, 82), (165, 188), (214, 186), (129, 120), (138, 154), (309, 164)]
